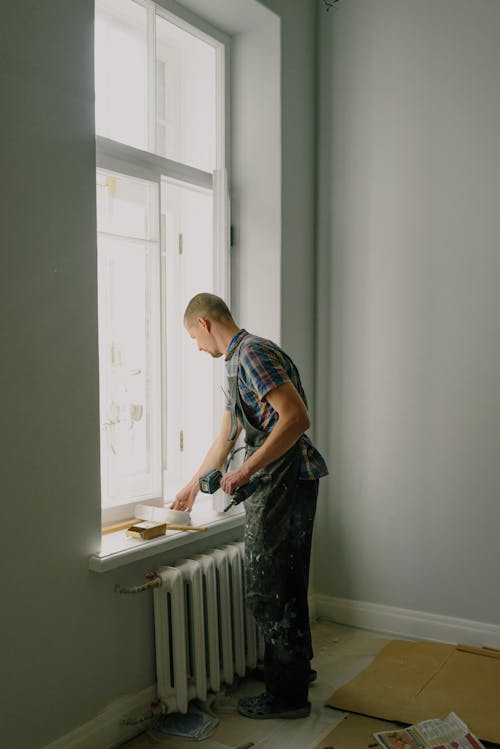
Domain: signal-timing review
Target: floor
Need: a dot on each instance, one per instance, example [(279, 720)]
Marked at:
[(340, 653)]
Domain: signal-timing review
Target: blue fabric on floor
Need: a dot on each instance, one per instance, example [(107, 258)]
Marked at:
[(195, 724)]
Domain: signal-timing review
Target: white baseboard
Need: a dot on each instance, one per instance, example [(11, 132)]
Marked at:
[(405, 623), (106, 730)]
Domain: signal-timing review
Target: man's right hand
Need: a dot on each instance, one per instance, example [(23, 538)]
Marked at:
[(184, 500), (215, 457)]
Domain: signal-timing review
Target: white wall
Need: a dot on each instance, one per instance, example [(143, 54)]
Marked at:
[(409, 272), (70, 646), (298, 184), (256, 178)]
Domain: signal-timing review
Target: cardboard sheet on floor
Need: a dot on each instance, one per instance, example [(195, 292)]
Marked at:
[(412, 681), (355, 732)]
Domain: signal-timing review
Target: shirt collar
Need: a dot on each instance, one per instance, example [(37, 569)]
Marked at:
[(234, 342)]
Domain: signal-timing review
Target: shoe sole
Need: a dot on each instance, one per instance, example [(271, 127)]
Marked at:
[(302, 712)]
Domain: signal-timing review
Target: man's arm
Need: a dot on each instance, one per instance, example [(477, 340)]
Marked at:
[(215, 458), (293, 421)]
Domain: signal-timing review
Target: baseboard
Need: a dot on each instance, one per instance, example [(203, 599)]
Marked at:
[(106, 730), (405, 623)]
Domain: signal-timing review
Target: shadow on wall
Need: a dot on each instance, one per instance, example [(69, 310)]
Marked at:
[(324, 402)]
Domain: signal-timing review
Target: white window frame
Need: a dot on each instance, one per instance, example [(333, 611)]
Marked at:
[(130, 161)]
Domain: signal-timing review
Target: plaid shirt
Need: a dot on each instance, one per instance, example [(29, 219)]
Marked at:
[(262, 366)]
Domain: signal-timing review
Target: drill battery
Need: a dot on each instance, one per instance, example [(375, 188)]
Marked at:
[(210, 481)]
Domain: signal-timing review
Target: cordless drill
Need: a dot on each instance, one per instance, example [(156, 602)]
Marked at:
[(210, 482)]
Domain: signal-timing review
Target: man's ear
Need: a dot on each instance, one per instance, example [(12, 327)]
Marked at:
[(205, 323)]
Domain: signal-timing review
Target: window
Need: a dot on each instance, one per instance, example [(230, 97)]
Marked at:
[(162, 217)]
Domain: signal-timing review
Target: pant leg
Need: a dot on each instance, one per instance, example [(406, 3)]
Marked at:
[(288, 648), (303, 530)]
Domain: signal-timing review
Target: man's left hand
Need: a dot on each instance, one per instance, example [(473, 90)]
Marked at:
[(232, 480)]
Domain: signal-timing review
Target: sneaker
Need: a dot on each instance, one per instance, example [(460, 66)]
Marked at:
[(264, 707)]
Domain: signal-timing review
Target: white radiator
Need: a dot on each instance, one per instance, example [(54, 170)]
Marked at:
[(204, 634)]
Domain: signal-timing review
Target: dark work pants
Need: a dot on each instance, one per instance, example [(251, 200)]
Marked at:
[(288, 647)]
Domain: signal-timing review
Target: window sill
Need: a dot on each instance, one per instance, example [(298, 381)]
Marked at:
[(118, 549)]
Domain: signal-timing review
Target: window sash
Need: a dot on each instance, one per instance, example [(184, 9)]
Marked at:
[(186, 20), (130, 367), (217, 185)]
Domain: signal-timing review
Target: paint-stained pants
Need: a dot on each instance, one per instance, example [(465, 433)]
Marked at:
[(277, 556)]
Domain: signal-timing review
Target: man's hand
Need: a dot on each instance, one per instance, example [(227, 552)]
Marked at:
[(184, 500), (232, 480), (215, 457)]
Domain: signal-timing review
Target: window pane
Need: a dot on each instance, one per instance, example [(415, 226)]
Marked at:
[(185, 103), (190, 380), (129, 338), (121, 72)]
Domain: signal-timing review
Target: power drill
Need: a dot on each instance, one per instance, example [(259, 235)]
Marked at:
[(210, 482)]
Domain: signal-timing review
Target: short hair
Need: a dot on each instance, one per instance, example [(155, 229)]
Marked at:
[(207, 305)]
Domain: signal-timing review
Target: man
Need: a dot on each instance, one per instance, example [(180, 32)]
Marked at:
[(267, 401)]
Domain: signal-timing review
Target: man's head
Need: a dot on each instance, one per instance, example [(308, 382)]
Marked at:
[(207, 318)]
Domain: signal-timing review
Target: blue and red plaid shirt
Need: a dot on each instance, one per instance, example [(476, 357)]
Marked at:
[(262, 366)]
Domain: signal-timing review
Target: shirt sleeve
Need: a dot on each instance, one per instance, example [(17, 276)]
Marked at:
[(264, 370)]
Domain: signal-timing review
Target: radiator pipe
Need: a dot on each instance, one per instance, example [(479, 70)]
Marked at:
[(154, 582)]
